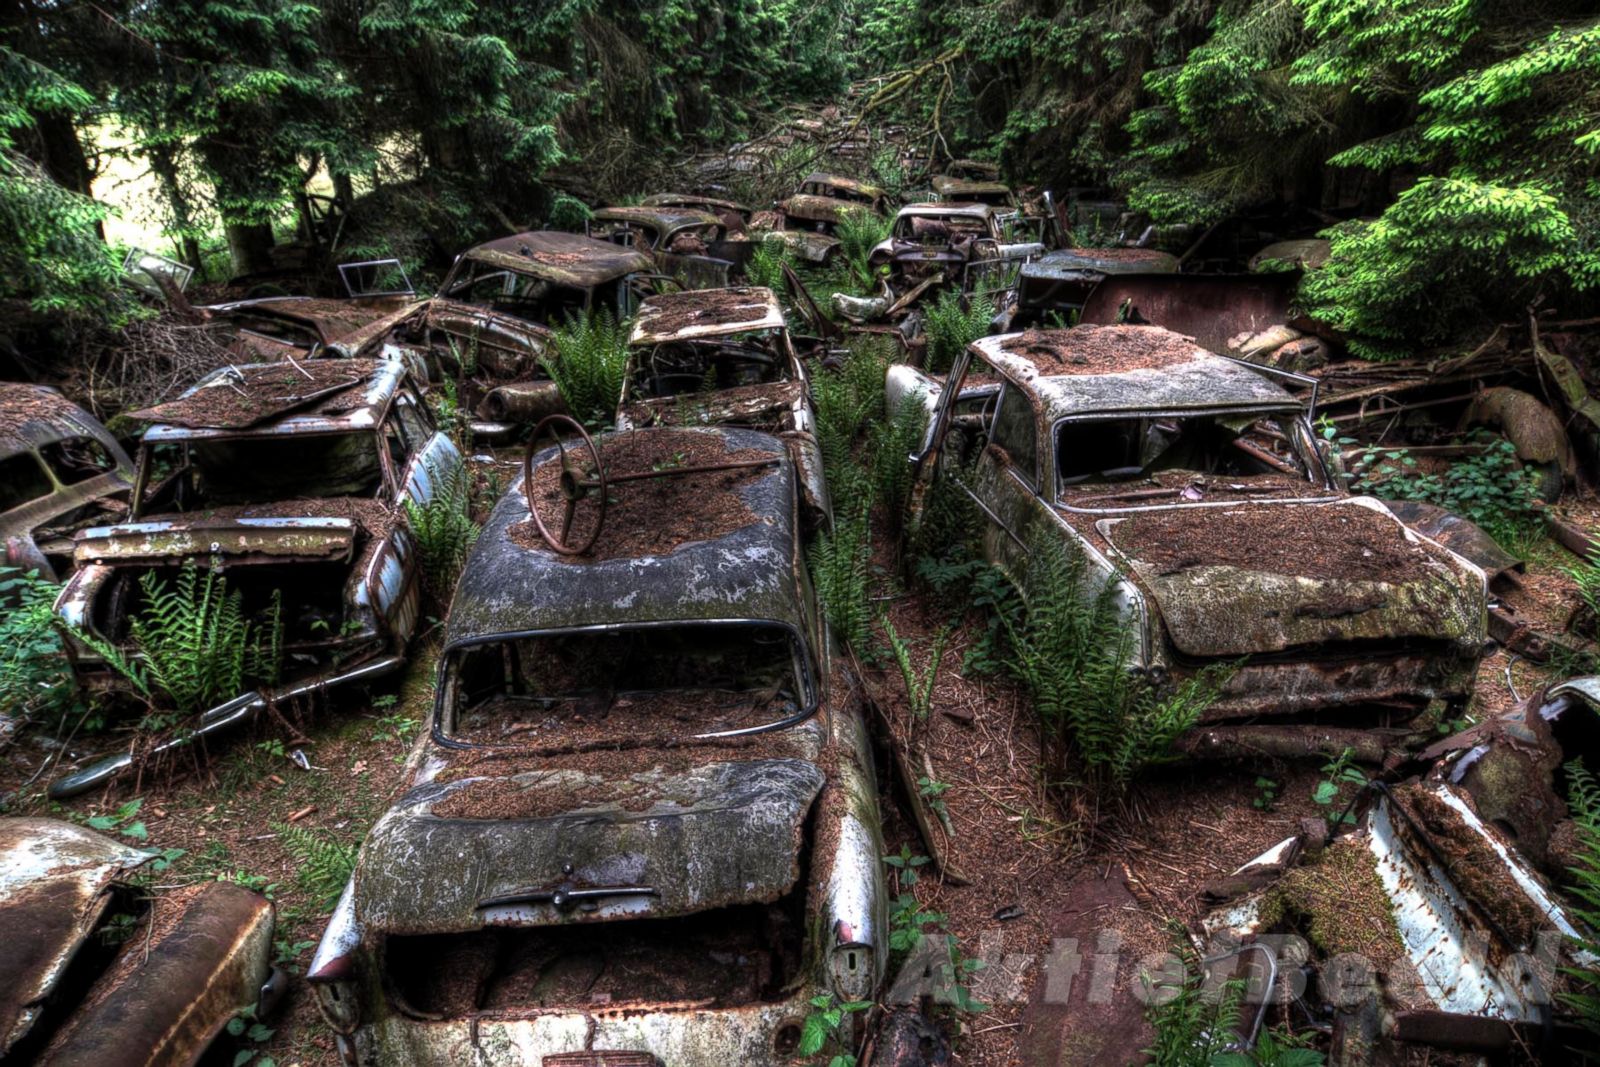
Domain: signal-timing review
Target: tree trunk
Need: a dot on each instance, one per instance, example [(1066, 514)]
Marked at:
[(165, 167), (250, 246), (344, 191)]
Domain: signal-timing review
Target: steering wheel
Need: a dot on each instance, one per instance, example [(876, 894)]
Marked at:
[(575, 485)]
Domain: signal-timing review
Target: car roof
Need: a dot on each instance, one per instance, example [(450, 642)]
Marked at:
[(948, 208), (706, 313), (1106, 369), (665, 219), (945, 185), (333, 319), (513, 584), (855, 185), (312, 396), (561, 257), (683, 199), (32, 416), (1066, 262)]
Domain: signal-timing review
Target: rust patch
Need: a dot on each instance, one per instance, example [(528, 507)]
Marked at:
[(1100, 349), (257, 393)]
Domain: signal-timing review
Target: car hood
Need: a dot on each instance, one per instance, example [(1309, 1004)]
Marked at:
[(307, 537), (1260, 578), (55, 883), (709, 836)]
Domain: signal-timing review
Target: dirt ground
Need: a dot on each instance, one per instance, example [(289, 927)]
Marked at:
[(1021, 869)]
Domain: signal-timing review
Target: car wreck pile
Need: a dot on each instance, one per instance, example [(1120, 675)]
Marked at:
[(641, 822)]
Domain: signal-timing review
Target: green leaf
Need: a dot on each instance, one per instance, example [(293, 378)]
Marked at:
[(813, 1035)]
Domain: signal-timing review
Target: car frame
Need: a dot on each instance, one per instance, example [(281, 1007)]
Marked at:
[(982, 265), (1404, 645), (727, 323), (35, 421), (450, 870), (360, 543)]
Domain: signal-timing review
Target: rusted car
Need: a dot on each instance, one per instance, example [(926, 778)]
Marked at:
[(1054, 287), (289, 480), (297, 327), (1194, 483), (189, 961), (691, 246), (967, 245), (822, 202), (1440, 919), (956, 190), (60, 470), (491, 322), (724, 357), (732, 214), (642, 826)]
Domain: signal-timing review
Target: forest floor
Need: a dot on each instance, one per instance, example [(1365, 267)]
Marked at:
[(1029, 877)]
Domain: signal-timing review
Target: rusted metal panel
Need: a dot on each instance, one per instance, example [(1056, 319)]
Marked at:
[(664, 221), (844, 184), (55, 880), (565, 258), (360, 404), (168, 997), (711, 204), (1211, 308), (825, 209), (706, 313), (288, 538)]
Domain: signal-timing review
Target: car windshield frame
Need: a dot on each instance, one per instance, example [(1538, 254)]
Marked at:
[(800, 648), (1295, 413), (143, 466)]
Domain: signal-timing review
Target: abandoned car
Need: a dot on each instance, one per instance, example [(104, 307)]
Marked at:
[(1054, 287), (286, 483), (1195, 484), (92, 974), (690, 246), (954, 190), (823, 201), (723, 357), (968, 245), (295, 327), (733, 215), (1437, 921), (60, 470), (490, 325), (642, 825)]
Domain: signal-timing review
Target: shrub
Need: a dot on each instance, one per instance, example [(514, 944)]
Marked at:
[(445, 533), (34, 676), (1073, 648), (590, 358), (952, 324), (1493, 489)]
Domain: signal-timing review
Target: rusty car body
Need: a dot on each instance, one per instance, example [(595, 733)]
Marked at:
[(274, 328), (191, 961), (732, 214), (1054, 287), (641, 826), (290, 480), (1194, 484), (958, 190), (1439, 920), (491, 322), (60, 470), (724, 357), (823, 201), (688, 245), (969, 245)]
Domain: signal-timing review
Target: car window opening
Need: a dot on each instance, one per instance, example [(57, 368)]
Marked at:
[(683, 367)]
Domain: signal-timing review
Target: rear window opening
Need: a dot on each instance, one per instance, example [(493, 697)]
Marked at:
[(261, 470), (725, 958), (688, 367), (626, 684), (1169, 451), (522, 296)]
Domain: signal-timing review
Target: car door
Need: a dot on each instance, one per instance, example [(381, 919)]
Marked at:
[(1006, 482)]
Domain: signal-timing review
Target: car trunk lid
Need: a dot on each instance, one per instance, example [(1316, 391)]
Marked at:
[(276, 538)]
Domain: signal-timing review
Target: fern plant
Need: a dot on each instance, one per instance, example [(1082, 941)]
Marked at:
[(766, 263), (1193, 1026), (919, 683), (1072, 648), (191, 645), (323, 865), (445, 533), (588, 360), (1583, 800), (34, 677), (951, 325), (859, 232), (839, 568), (893, 442)]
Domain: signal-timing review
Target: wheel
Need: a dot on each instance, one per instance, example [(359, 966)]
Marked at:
[(576, 485)]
